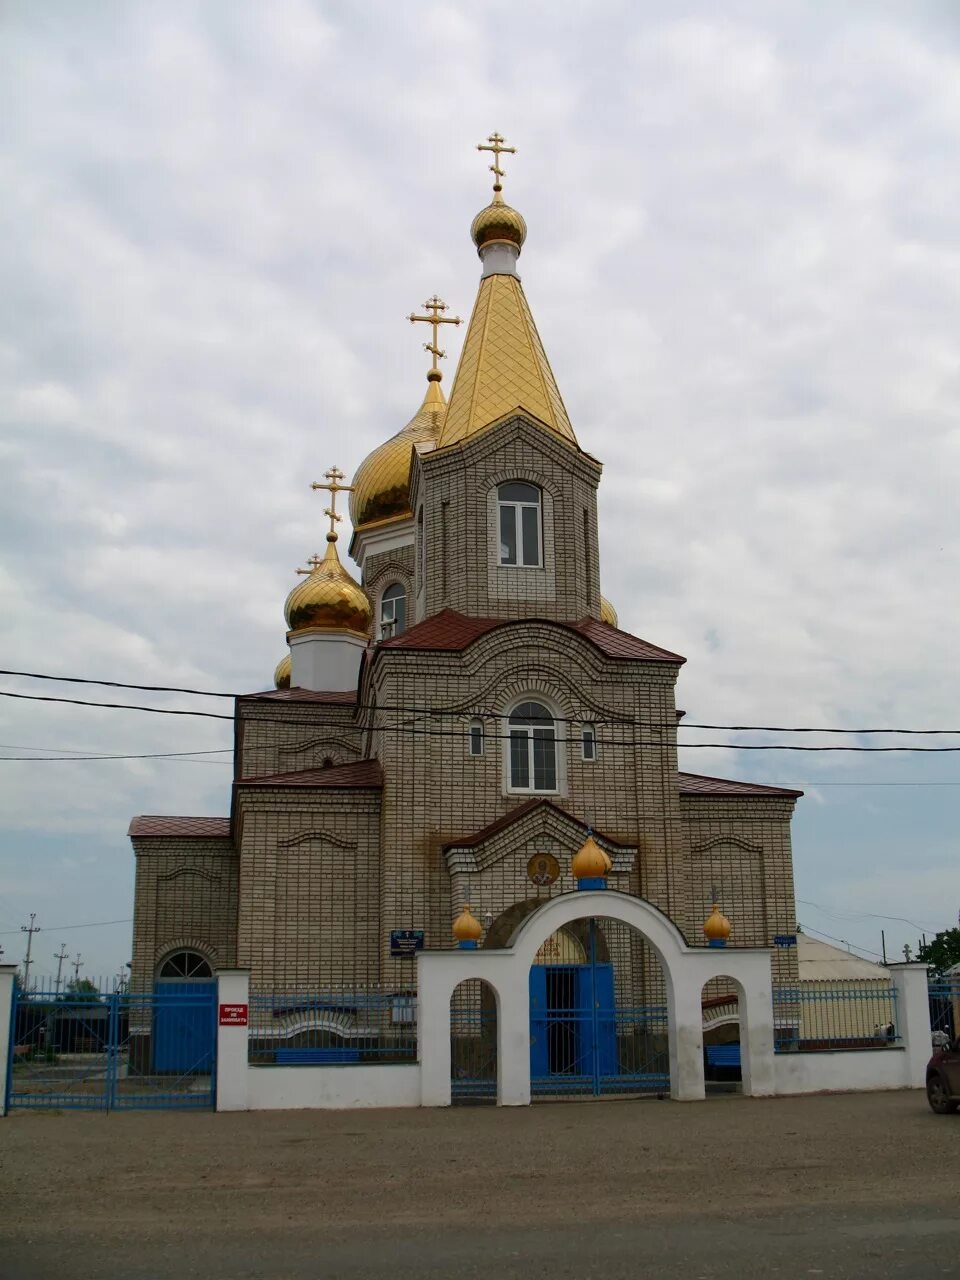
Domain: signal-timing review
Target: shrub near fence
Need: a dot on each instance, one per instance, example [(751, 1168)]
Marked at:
[(332, 1027), (835, 1015)]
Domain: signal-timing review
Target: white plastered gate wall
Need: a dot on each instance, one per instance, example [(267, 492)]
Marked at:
[(685, 970)]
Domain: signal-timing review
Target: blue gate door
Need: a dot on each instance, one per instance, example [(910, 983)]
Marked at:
[(581, 1040), (184, 1032)]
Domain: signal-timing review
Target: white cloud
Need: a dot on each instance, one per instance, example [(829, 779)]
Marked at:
[(745, 264)]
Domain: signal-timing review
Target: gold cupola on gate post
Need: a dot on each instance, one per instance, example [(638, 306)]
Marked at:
[(590, 862), (717, 928)]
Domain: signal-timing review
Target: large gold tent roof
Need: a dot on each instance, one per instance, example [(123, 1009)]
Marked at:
[(503, 367)]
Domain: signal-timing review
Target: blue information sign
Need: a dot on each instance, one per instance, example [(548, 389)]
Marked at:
[(405, 942), (785, 940)]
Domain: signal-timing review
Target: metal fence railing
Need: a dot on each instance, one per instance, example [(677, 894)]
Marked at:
[(103, 1049), (944, 996), (810, 1016), (333, 1027)]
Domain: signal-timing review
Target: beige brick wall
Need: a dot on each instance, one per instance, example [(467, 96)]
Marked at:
[(456, 487), (185, 898)]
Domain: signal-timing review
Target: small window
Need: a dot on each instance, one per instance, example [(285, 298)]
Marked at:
[(532, 741), (476, 738), (588, 742), (185, 964), (393, 611), (518, 507)]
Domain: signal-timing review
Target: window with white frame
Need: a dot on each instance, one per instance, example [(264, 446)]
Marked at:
[(532, 743), (520, 524), (393, 611), (475, 738), (588, 742)]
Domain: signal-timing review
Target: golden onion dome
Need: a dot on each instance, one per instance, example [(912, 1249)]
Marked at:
[(608, 613), (717, 927), (590, 862), (381, 486), (281, 677), (466, 927), (328, 599), (498, 222)]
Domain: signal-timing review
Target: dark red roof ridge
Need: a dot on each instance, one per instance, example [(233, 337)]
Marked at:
[(515, 815), (702, 784), (451, 632), (345, 698), (359, 775), (152, 824)]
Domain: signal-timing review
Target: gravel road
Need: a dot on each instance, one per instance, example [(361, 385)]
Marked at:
[(859, 1184)]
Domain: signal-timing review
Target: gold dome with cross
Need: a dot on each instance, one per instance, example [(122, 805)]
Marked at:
[(329, 599)]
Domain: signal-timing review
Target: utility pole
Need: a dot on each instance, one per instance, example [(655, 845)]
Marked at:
[(60, 956), (77, 966), (29, 930), (883, 945)]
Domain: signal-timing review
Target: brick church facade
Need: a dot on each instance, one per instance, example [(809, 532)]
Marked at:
[(450, 728)]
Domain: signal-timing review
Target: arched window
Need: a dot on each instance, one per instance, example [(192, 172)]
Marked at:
[(520, 524), (533, 748), (393, 611), (185, 964)]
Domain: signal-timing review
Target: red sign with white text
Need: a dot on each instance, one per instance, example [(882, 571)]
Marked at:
[(233, 1015)]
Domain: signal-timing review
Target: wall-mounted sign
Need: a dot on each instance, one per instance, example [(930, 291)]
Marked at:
[(785, 940), (406, 942), (233, 1015), (543, 868)]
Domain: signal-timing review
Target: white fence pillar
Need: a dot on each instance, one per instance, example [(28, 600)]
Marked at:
[(233, 1030), (685, 1030), (513, 1035), (433, 1031), (8, 973), (913, 1017)]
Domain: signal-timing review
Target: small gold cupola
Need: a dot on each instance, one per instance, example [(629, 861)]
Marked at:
[(717, 928), (281, 677), (329, 615), (591, 865), (381, 485), (467, 929)]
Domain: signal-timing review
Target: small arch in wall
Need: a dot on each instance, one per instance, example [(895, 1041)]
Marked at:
[(474, 1049)]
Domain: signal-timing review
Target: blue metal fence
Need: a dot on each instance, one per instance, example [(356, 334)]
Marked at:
[(337, 1026), (835, 1015), (104, 1051), (945, 1008)]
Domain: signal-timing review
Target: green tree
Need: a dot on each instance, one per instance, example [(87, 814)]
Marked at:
[(81, 989), (942, 952)]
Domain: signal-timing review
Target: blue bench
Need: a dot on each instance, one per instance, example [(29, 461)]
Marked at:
[(314, 1057), (723, 1055)]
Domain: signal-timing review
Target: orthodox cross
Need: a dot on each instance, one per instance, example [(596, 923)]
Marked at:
[(495, 144), (314, 562), (333, 487), (434, 306)]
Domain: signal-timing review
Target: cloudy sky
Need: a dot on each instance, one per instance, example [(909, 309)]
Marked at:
[(744, 260)]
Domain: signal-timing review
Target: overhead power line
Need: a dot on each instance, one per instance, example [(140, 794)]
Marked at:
[(654, 744), (59, 928), (209, 693)]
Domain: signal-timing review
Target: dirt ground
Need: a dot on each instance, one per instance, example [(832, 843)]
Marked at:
[(294, 1193)]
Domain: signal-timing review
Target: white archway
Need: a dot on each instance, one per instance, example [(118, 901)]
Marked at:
[(685, 971)]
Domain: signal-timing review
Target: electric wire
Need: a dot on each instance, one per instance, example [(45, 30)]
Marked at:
[(463, 733), (208, 693)]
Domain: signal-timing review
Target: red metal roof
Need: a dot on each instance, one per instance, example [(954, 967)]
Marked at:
[(452, 632), (698, 784), (508, 819), (346, 699), (189, 828), (361, 775)]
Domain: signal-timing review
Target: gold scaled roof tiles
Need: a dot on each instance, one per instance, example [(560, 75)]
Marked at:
[(381, 486), (503, 367)]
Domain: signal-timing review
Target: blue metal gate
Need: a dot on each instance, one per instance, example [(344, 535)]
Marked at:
[(113, 1051), (591, 1034)]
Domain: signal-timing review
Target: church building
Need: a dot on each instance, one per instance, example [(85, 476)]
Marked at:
[(459, 720)]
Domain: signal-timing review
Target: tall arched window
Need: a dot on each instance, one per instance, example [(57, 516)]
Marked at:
[(533, 748), (520, 524), (393, 611)]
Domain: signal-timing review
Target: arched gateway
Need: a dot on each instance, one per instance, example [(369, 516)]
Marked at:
[(685, 970)]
